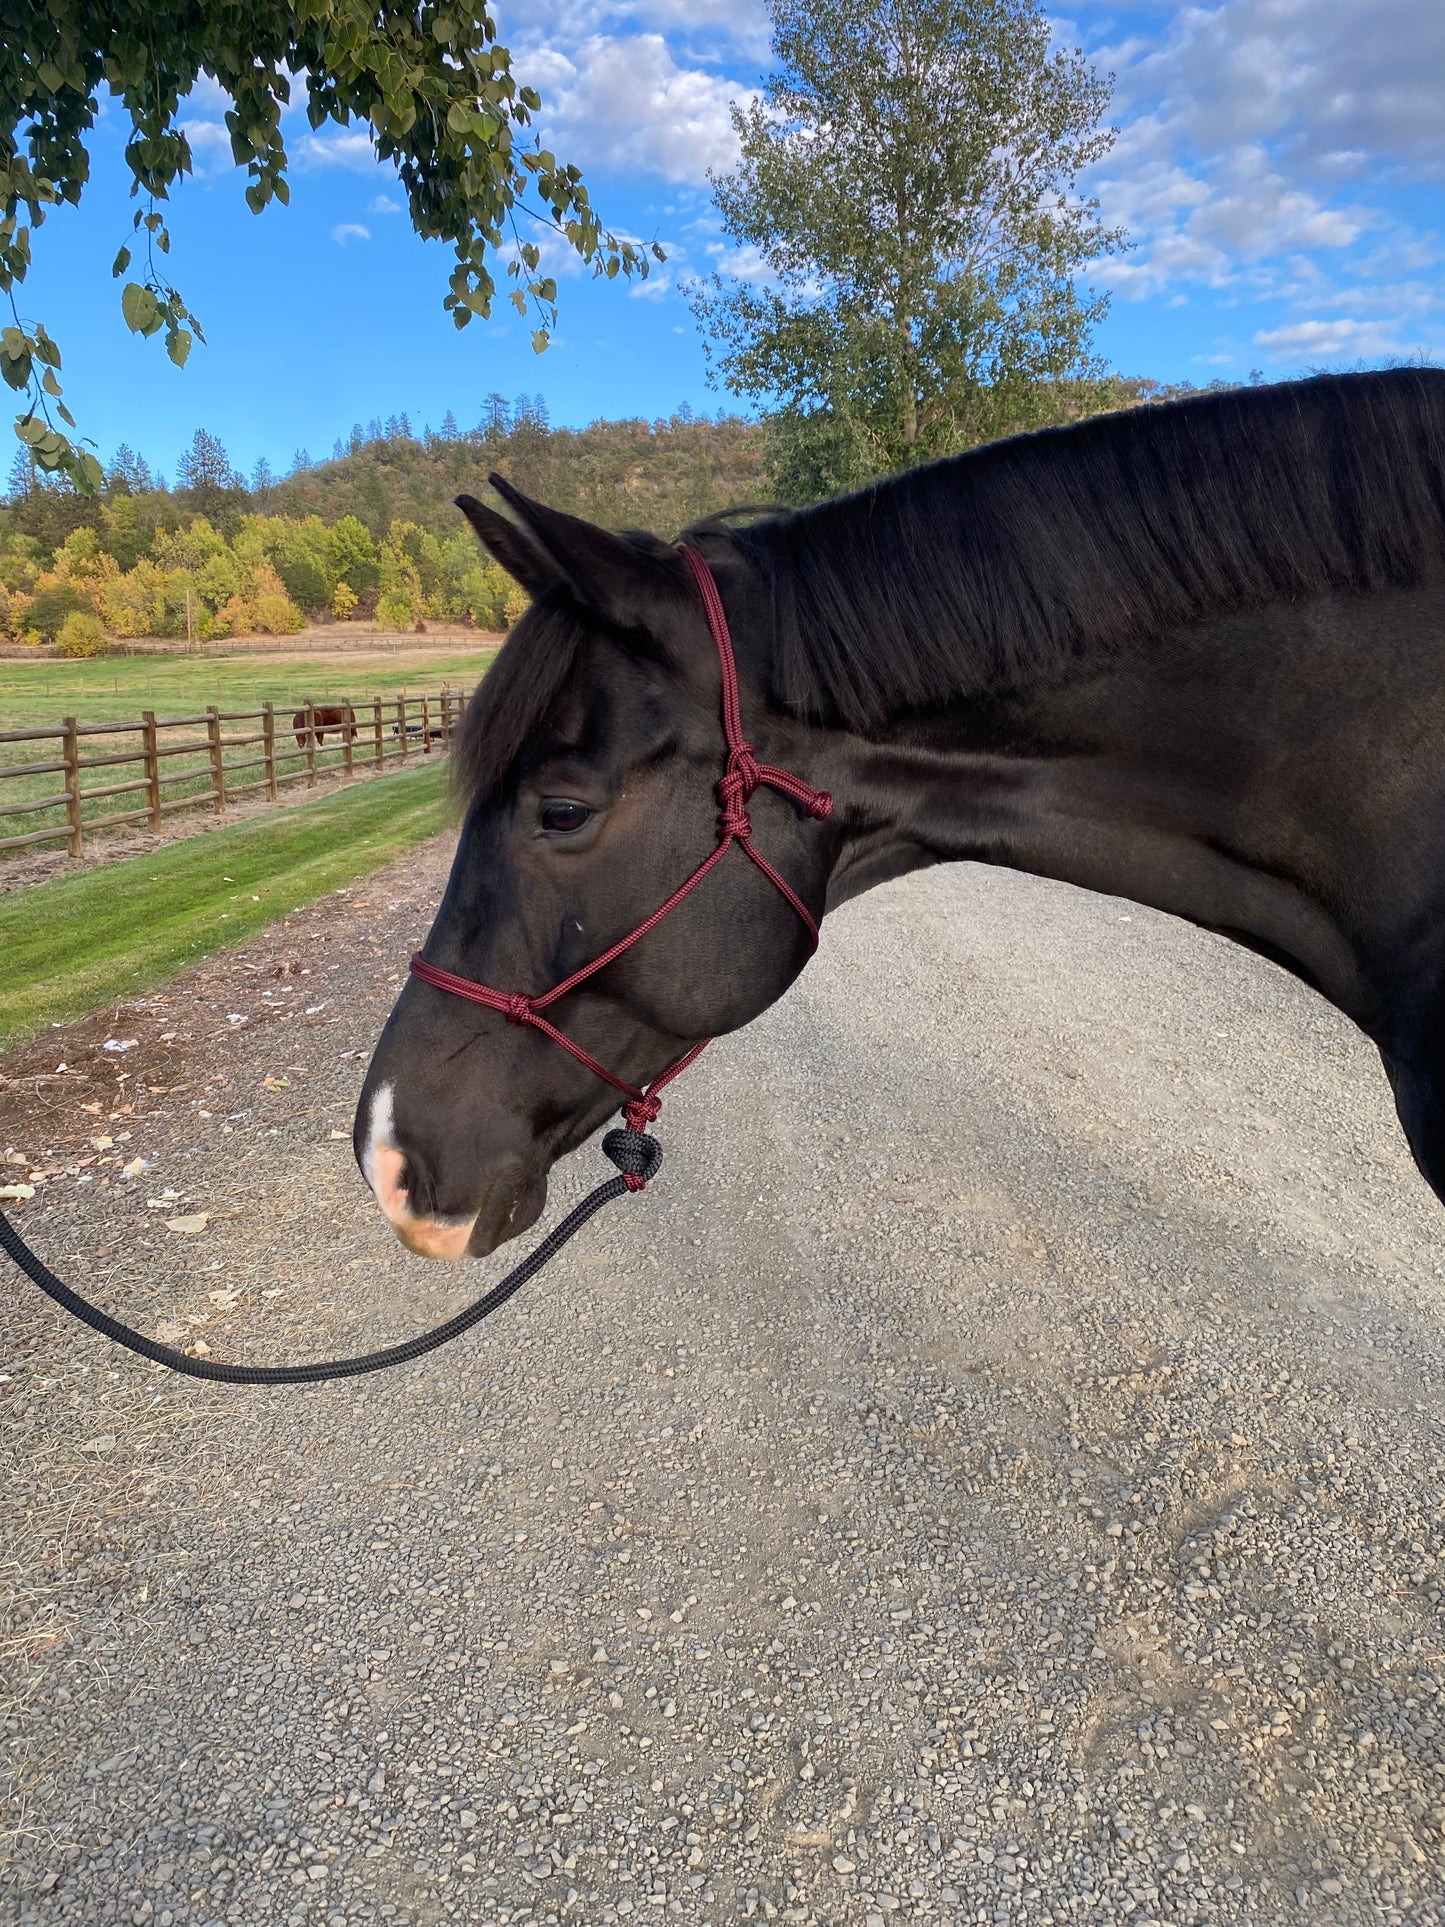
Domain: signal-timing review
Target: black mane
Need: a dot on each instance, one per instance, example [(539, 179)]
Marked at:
[(1007, 561), (1011, 560)]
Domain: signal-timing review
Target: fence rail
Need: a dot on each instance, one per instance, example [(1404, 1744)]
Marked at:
[(177, 769)]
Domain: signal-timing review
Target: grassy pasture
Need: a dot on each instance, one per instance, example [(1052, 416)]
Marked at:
[(111, 688), (79, 942), (39, 694)]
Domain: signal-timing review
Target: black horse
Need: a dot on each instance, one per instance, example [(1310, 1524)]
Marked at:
[(1190, 654)]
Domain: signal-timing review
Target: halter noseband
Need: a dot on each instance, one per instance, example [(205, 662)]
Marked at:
[(735, 787)]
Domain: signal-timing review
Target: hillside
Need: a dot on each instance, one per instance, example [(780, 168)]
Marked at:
[(626, 474), (373, 533)]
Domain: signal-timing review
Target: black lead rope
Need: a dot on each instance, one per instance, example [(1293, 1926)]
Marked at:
[(636, 1156)]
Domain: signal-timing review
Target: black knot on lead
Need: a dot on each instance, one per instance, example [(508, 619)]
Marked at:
[(637, 1156)]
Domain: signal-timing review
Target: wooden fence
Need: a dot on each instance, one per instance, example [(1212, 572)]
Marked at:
[(169, 767)]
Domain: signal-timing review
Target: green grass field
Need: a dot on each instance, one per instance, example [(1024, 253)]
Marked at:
[(79, 942), (35, 695), (110, 688)]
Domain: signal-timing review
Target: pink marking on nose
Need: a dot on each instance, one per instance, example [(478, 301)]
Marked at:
[(427, 1237)]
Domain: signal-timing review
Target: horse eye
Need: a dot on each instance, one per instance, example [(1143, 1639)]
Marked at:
[(564, 818)]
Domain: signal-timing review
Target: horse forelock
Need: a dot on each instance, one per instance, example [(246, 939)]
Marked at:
[(517, 693)]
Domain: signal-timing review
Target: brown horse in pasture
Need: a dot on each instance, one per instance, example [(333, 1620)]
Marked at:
[(339, 718)]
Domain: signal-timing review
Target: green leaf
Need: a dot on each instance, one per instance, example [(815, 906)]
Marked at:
[(121, 263), (87, 473), (16, 372), (64, 413), (45, 348), (139, 306), (178, 346), (540, 338), (31, 429), (50, 384)]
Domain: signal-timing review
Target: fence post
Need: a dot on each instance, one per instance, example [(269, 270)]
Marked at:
[(401, 724), (218, 767), (150, 746), (348, 730), (376, 725), (446, 721), (268, 747), (310, 744), (426, 725), (72, 786)]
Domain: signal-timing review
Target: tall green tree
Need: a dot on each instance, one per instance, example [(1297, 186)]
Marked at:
[(426, 78), (205, 470), (907, 198)]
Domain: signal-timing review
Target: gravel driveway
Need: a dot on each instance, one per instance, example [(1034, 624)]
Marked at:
[(994, 1476)]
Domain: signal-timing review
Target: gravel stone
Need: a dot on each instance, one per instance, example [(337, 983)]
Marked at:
[(993, 1477)]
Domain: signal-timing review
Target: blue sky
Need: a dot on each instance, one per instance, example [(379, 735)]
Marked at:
[(1280, 168)]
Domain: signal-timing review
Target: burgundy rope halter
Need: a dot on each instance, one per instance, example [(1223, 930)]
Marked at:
[(743, 775)]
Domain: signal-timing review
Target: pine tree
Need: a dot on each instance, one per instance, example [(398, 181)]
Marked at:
[(205, 470), (263, 478), (300, 462), (129, 473), (22, 476), (449, 427)]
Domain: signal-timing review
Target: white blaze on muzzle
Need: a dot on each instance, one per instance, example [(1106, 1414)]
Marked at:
[(382, 1165)]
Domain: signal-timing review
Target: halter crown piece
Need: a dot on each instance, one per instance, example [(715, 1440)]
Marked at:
[(743, 775)]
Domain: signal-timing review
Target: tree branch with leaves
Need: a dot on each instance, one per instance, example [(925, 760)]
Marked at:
[(430, 83)]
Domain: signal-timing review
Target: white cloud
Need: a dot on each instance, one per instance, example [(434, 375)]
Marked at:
[(1323, 80), (384, 204), (210, 146), (1217, 222), (338, 147), (1317, 341), (625, 104), (350, 231), (1262, 151), (740, 27)]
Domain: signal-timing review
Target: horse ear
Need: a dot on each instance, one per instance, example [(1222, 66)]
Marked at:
[(523, 559), (621, 577)]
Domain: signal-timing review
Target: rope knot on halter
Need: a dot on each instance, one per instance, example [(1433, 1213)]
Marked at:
[(820, 806), (642, 1111), (733, 791), (519, 1008)]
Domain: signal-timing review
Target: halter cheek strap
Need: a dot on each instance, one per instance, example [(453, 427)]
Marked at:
[(741, 778)]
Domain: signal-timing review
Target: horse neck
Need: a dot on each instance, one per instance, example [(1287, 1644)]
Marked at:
[(1185, 776)]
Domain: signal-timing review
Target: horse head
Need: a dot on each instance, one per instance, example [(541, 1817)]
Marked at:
[(590, 759)]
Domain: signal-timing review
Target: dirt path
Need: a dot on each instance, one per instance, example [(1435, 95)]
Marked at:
[(994, 1477)]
